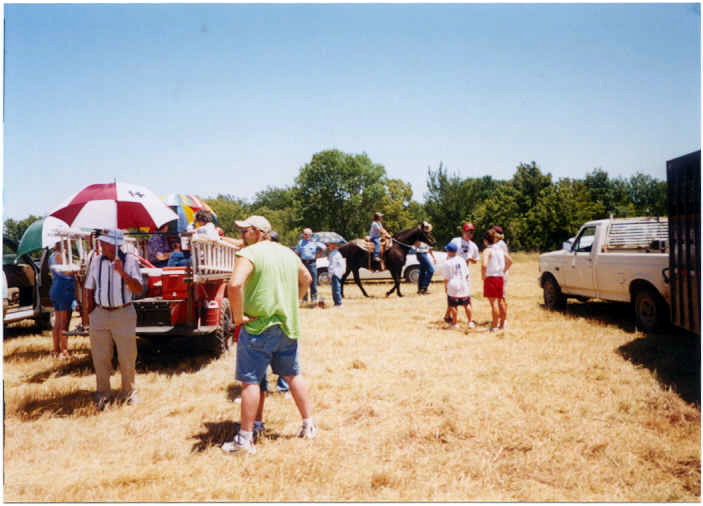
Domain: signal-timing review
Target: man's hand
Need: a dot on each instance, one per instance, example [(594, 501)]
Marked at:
[(245, 319), (118, 266)]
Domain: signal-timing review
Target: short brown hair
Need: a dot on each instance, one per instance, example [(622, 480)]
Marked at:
[(492, 236)]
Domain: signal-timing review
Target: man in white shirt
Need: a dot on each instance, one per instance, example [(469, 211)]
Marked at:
[(112, 279)]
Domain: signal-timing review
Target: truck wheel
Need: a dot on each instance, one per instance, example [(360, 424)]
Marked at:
[(553, 298), (650, 310), (223, 334), (412, 274)]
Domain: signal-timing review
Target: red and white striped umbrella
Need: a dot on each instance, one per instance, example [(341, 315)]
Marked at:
[(114, 205)]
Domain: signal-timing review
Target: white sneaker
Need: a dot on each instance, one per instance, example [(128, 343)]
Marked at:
[(239, 444), (308, 431), (472, 324)]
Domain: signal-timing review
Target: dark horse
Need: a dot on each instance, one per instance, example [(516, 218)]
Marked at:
[(394, 256)]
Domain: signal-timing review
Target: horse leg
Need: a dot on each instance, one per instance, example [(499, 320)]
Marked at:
[(357, 280), (396, 284)]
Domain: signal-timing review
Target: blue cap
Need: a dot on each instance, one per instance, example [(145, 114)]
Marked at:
[(451, 247)]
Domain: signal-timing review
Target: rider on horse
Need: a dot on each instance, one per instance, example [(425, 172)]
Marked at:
[(375, 233)]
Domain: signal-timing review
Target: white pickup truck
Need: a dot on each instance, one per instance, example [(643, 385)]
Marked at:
[(624, 259)]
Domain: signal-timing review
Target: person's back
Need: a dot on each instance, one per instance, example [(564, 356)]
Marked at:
[(271, 292)]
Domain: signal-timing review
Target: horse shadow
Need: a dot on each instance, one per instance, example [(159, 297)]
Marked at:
[(674, 357), (618, 314), (71, 404)]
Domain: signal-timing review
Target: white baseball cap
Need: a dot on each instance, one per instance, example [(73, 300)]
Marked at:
[(258, 222), (115, 237)]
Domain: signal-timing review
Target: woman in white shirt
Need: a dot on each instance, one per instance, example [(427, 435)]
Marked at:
[(495, 264)]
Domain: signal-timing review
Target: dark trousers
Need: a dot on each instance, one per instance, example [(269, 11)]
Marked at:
[(312, 269), (426, 271)]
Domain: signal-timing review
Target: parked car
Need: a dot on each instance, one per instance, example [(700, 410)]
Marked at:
[(622, 259), (26, 285), (410, 273)]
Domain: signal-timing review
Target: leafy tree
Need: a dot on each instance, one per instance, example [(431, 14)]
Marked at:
[(339, 191), (228, 209), (647, 195), (611, 194), (14, 230)]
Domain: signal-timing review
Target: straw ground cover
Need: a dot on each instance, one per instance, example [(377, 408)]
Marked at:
[(574, 406)]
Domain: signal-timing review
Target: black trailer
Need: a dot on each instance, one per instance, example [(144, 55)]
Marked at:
[(683, 176)]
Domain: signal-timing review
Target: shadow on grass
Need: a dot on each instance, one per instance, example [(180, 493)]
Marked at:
[(619, 314), (72, 404), (80, 364), (23, 329), (174, 356), (216, 433), (675, 359)]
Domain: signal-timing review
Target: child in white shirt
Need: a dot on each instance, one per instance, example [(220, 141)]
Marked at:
[(456, 284)]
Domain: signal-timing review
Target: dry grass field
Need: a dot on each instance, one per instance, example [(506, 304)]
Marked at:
[(573, 406)]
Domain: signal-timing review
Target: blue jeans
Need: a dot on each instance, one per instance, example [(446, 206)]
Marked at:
[(337, 290), (178, 259), (312, 269), (281, 384), (376, 246), (426, 271)]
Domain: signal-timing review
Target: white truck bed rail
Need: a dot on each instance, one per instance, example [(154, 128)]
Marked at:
[(212, 259), (646, 234), (74, 248)]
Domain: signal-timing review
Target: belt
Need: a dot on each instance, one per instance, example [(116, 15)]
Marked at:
[(113, 308), (308, 261)]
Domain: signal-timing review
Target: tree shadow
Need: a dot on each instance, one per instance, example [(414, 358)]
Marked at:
[(71, 404), (675, 359), (619, 314)]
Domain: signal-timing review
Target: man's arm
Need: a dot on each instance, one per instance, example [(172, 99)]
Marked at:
[(134, 285), (304, 280), (235, 289)]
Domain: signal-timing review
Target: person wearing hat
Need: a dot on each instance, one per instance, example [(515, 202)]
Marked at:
[(375, 233), (456, 284), (113, 278), (503, 303), (308, 251), (266, 284), (467, 249)]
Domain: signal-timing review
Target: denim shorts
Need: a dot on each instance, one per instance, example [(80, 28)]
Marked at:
[(62, 294), (256, 352)]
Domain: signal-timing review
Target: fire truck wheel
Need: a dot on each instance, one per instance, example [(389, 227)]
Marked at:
[(223, 334)]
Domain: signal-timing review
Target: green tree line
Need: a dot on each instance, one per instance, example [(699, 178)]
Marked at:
[(339, 192)]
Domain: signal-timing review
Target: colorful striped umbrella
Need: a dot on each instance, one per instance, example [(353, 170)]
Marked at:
[(185, 207), (114, 206)]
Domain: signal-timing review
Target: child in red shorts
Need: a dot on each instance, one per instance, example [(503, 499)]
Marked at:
[(495, 263)]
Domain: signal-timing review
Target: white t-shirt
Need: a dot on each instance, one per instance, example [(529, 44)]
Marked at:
[(338, 264), (209, 230), (496, 262), (466, 249), (456, 272)]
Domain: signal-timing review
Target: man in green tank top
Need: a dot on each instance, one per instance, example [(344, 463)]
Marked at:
[(264, 290)]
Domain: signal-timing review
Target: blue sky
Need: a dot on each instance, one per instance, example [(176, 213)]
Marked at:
[(232, 98)]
